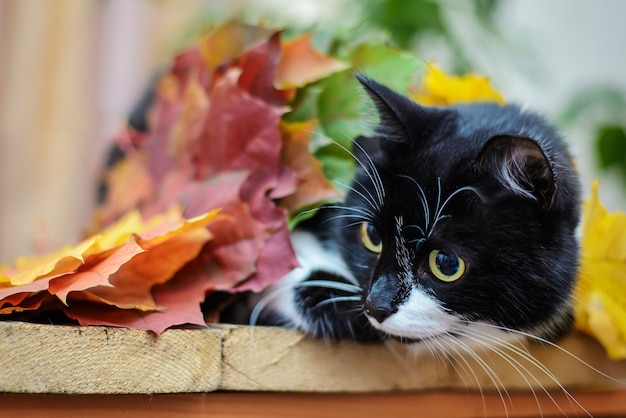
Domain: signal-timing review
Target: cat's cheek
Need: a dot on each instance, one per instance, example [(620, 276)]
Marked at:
[(420, 316)]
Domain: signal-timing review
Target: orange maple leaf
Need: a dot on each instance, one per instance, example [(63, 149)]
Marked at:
[(301, 64), (117, 268)]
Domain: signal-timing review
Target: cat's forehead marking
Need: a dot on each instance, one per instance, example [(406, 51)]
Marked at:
[(404, 255)]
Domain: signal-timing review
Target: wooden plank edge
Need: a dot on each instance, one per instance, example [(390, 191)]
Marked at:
[(100, 360)]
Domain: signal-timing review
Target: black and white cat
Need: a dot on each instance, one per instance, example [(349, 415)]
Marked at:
[(460, 221)]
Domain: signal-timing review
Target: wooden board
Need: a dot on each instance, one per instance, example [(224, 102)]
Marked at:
[(439, 404), (100, 360)]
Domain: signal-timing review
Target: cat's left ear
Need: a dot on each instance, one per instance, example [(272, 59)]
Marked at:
[(393, 109), (520, 166)]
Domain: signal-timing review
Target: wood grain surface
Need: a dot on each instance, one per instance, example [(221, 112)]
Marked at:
[(100, 360)]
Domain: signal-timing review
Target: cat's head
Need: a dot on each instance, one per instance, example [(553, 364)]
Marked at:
[(468, 215)]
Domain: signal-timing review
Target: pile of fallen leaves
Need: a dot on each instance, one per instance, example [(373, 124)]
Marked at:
[(242, 136), (248, 130)]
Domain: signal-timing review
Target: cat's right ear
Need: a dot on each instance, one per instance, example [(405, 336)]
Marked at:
[(520, 166), (392, 109)]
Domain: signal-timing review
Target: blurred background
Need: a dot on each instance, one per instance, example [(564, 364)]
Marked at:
[(71, 70)]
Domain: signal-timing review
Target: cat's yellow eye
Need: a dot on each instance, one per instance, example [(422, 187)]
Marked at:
[(446, 266), (371, 238)]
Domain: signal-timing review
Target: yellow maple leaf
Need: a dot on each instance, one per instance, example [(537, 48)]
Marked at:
[(600, 297), (68, 259), (441, 89)]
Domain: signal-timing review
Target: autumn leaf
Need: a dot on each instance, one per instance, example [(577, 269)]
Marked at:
[(96, 271), (258, 72), (129, 186), (23, 302), (188, 125), (313, 186), (600, 300), (301, 64), (441, 89), (118, 267), (182, 311), (240, 132), (28, 269), (229, 41), (130, 285), (231, 257), (270, 266)]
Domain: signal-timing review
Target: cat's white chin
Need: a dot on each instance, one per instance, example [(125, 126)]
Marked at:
[(419, 317)]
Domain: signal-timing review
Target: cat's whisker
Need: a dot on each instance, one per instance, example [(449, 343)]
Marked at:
[(556, 346), (376, 177), (453, 353), (417, 241), (438, 215), (494, 346), (423, 199), (437, 209), (260, 306), (338, 299), (328, 284), (456, 192), (360, 220), (365, 214), (372, 173), (419, 229), (534, 362), (369, 199), (523, 353), (491, 374), (439, 352)]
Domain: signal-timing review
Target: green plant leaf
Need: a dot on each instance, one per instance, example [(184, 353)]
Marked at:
[(397, 69), (406, 19), (611, 145)]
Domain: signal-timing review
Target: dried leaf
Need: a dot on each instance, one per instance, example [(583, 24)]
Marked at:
[(240, 132), (228, 42), (118, 267), (86, 312), (258, 72), (188, 125), (313, 186), (301, 64), (276, 259), (164, 115), (232, 255), (96, 271), (129, 186), (23, 302), (162, 256), (600, 301)]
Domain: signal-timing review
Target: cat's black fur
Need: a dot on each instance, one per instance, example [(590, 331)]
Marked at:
[(498, 187)]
